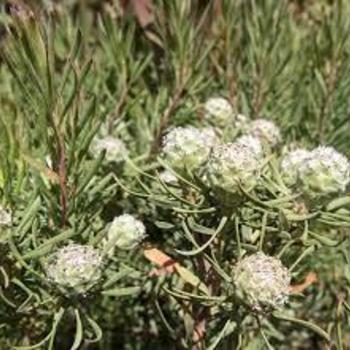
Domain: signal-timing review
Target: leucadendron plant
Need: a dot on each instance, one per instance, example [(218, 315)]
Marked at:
[(174, 174)]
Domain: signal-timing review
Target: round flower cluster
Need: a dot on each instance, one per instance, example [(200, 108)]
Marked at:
[(115, 148), (324, 171), (75, 267), (218, 111), (262, 282), (291, 164), (232, 163), (266, 131), (186, 148), (125, 232)]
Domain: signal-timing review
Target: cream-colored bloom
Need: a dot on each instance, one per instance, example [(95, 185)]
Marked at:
[(251, 142), (76, 268), (188, 147), (218, 111), (325, 171), (115, 148), (262, 282), (231, 164), (125, 232), (291, 163), (266, 131)]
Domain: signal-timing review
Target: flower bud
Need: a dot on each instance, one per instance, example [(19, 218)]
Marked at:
[(125, 232), (115, 148), (262, 282), (266, 131), (168, 177), (218, 111), (291, 164), (187, 147), (325, 171), (75, 267), (5, 217), (240, 122), (231, 164)]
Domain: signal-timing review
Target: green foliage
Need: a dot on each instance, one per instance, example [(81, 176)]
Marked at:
[(73, 72)]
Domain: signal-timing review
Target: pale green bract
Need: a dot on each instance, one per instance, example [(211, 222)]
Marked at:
[(187, 148), (75, 268), (325, 171), (125, 232), (261, 282)]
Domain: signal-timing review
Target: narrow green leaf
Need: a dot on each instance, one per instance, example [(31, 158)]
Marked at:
[(78, 338), (303, 323), (118, 292)]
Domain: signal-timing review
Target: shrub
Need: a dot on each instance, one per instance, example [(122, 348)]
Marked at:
[(176, 181)]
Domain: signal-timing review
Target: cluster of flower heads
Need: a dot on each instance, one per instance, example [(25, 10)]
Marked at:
[(115, 148), (318, 172), (223, 166), (76, 268), (261, 282), (322, 171), (219, 112)]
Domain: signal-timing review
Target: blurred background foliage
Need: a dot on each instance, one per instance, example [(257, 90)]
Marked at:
[(72, 69)]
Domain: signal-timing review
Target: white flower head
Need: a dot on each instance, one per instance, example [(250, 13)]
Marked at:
[(266, 131), (218, 111), (187, 147), (75, 267), (262, 282), (291, 164), (125, 232), (168, 177), (115, 148), (325, 171), (5, 217), (251, 142), (231, 164)]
